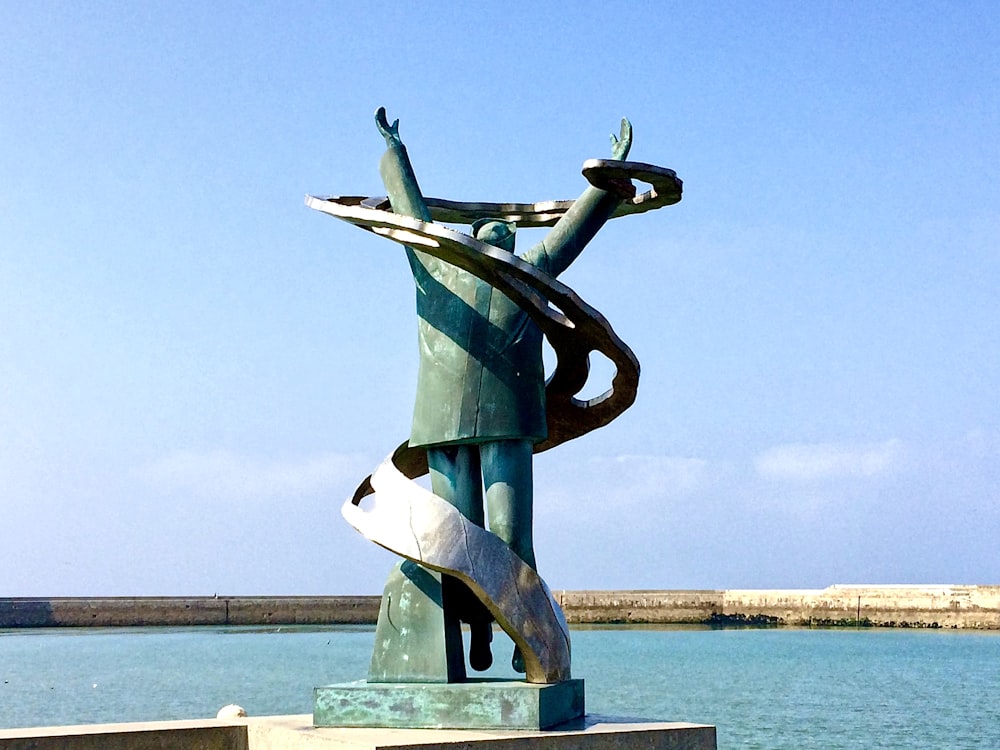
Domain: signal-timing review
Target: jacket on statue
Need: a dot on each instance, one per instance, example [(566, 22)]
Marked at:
[(481, 375)]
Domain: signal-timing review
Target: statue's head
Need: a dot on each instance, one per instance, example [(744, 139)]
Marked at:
[(495, 232)]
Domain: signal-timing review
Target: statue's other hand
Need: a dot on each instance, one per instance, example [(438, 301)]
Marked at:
[(620, 145), (389, 132)]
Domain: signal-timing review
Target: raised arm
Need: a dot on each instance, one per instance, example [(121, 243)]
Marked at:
[(397, 172), (570, 235)]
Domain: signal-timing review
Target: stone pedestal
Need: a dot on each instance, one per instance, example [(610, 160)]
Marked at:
[(588, 733), (298, 733), (478, 704)]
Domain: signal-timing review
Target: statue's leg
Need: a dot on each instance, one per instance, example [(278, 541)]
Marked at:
[(507, 476), (457, 477), (508, 479), (419, 633)]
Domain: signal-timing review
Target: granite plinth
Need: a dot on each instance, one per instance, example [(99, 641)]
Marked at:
[(479, 704)]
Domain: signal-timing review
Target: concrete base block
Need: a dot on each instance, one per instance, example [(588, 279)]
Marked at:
[(587, 733), (198, 734), (478, 704), (298, 733)]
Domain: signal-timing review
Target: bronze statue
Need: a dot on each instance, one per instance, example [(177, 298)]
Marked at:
[(483, 406)]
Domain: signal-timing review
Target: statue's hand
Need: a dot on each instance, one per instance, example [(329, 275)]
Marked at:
[(620, 146), (389, 132)]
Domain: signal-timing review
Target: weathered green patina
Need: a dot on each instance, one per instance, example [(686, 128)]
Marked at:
[(416, 641), (480, 402), (483, 704), (481, 375), (483, 408)]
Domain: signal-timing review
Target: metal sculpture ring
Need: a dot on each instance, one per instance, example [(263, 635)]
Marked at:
[(420, 526), (573, 328)]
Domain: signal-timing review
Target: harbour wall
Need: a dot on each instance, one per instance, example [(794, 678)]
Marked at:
[(132, 611), (938, 606), (943, 606)]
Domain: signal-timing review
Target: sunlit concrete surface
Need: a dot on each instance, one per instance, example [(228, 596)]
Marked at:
[(297, 733)]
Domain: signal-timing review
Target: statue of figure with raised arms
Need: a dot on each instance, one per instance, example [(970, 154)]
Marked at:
[(480, 404), (483, 408)]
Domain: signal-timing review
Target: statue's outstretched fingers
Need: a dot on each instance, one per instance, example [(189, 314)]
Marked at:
[(382, 123), (620, 145)]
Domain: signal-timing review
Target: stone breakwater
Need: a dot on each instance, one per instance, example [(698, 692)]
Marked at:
[(187, 610), (945, 606)]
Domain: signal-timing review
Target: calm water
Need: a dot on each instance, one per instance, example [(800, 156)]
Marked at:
[(775, 689)]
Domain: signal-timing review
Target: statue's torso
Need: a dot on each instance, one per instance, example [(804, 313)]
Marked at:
[(481, 374)]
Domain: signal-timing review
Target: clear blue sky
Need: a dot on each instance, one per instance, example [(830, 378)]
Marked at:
[(196, 369)]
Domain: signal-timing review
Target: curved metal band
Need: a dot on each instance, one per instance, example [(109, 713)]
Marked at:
[(665, 190), (415, 523), (572, 327)]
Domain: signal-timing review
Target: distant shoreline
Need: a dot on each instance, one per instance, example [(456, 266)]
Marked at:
[(930, 606)]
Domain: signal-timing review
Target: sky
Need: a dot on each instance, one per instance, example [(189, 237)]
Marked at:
[(196, 369)]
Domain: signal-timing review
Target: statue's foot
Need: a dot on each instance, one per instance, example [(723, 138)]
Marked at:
[(480, 656), (517, 660)]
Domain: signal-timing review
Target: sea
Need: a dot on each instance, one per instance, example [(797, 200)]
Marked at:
[(770, 688)]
